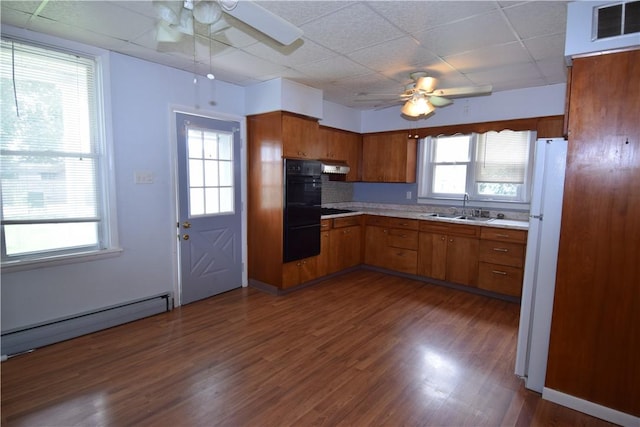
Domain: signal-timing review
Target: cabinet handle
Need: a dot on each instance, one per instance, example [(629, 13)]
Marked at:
[(385, 231), (506, 236), (501, 249), (442, 238), (450, 240), (503, 273), (403, 235), (400, 254)]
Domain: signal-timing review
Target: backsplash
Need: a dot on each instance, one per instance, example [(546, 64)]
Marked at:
[(336, 191)]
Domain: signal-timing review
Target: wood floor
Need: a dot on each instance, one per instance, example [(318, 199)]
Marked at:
[(362, 349)]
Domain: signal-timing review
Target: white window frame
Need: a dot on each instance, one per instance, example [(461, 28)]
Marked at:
[(425, 179), (109, 245)]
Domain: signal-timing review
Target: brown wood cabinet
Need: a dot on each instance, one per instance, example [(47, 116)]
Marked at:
[(297, 272), (345, 243), (595, 331), (269, 137), (391, 243), (389, 157), (449, 252), (502, 253), (337, 144), (300, 136)]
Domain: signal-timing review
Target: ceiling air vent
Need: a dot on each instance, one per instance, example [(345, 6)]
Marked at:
[(616, 19)]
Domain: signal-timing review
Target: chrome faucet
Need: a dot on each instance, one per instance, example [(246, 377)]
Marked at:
[(465, 199)]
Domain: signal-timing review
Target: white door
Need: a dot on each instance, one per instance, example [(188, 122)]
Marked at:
[(209, 217)]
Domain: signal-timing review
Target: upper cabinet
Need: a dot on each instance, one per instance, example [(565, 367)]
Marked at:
[(300, 137), (336, 144), (389, 157)]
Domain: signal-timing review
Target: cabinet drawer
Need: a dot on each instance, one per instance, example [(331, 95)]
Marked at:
[(502, 253), (403, 260), (503, 234), (325, 224), (406, 224), (346, 221), (448, 228), (399, 238), (379, 221), (500, 278)]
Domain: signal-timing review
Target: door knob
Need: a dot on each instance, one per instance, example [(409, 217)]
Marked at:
[(186, 224), (185, 237)]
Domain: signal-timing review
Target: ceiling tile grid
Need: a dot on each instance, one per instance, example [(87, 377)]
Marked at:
[(360, 53)]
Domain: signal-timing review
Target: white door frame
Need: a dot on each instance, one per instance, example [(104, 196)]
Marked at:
[(173, 156)]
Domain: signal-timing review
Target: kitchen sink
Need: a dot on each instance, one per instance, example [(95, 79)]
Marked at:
[(474, 218), (440, 215)]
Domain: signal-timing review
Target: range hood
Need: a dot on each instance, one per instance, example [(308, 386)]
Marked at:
[(335, 167)]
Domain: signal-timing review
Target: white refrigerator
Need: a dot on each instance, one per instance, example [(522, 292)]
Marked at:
[(541, 261)]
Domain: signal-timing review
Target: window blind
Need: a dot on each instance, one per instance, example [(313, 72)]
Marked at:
[(49, 149), (502, 157)]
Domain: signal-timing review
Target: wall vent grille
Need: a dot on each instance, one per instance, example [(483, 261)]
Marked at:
[(616, 20)]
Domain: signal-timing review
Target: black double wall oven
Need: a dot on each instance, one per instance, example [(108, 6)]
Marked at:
[(302, 200)]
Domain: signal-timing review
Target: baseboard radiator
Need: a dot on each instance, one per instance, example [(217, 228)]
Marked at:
[(28, 338)]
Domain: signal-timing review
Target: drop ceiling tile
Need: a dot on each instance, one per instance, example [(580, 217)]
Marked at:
[(538, 18), (493, 56), (400, 53), (554, 69), (350, 29), (499, 76), (300, 12), (333, 69), (69, 32), (302, 51), (473, 33), (98, 17), (14, 17), (418, 16), (545, 46), (246, 65)]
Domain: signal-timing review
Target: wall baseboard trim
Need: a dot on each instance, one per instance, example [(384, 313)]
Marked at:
[(590, 408), (24, 339)]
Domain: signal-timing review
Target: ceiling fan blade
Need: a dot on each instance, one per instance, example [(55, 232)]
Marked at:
[(439, 101), (427, 84), (266, 22), (463, 91)]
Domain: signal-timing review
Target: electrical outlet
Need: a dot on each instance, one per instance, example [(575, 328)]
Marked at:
[(408, 194), (143, 177)]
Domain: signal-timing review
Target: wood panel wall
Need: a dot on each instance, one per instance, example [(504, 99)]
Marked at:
[(595, 335)]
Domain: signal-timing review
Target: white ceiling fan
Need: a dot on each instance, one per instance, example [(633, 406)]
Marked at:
[(421, 97), (177, 18)]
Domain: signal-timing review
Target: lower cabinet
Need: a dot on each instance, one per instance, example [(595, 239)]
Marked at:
[(345, 248), (300, 271), (449, 252), (391, 243), (502, 253)]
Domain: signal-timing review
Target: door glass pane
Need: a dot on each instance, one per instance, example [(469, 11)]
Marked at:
[(210, 168), (226, 147), (226, 199), (212, 200), (196, 201), (196, 177), (211, 173), (226, 174)]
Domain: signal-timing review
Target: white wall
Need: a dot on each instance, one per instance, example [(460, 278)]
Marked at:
[(505, 105), (142, 94)]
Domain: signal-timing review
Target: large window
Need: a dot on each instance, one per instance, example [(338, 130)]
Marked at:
[(54, 195), (493, 166)]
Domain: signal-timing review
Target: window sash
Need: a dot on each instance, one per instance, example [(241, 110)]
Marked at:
[(51, 153), (483, 168)]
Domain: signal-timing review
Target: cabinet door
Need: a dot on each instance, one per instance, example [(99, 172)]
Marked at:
[(375, 245), (347, 146), (432, 255), (462, 260), (300, 137), (389, 157), (345, 248)]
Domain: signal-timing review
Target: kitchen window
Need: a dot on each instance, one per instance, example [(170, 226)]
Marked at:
[(489, 167), (53, 154)]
